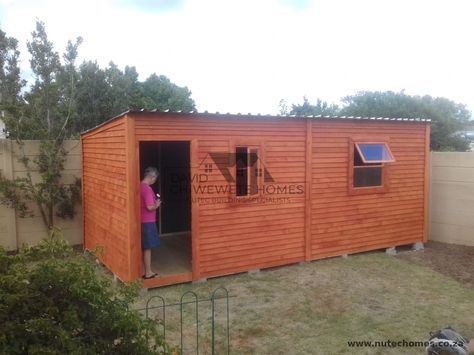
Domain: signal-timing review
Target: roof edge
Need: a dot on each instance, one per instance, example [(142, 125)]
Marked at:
[(105, 122), (250, 115)]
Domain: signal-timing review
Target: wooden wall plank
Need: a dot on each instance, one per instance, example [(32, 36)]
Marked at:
[(104, 194), (133, 201), (323, 220), (342, 222)]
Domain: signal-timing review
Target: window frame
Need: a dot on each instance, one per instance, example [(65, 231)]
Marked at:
[(385, 165), (250, 144), (374, 161)]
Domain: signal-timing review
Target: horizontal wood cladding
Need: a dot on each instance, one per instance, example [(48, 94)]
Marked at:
[(343, 223), (248, 264), (303, 210), (209, 129), (240, 236), (360, 247), (105, 195), (244, 236)]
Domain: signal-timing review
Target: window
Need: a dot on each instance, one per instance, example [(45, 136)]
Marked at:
[(374, 153), (247, 171), (368, 164)]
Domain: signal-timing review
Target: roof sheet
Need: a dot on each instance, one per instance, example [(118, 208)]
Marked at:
[(258, 115)]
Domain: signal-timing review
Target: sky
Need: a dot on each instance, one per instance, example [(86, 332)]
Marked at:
[(245, 56)]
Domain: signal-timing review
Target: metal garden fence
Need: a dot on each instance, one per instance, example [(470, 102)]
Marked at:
[(218, 341)]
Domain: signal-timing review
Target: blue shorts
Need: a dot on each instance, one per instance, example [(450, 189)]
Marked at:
[(150, 237)]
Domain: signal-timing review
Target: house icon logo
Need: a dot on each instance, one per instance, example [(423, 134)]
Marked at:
[(224, 162)]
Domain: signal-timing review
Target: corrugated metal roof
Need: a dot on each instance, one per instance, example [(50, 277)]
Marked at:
[(258, 115)]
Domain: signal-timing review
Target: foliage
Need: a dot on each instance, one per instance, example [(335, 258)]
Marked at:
[(51, 99), (160, 93), (283, 107), (51, 196), (92, 103), (14, 194), (320, 108), (62, 102), (54, 302), (65, 100), (10, 81), (105, 93), (46, 116), (124, 91), (448, 119)]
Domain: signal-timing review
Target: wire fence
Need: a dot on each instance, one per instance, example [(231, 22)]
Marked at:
[(196, 326)]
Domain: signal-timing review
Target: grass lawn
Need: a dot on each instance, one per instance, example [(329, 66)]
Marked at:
[(317, 307)]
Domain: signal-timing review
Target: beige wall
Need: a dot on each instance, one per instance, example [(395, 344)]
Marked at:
[(452, 198), (14, 231)]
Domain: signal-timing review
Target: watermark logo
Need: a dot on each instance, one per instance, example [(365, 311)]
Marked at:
[(224, 162), (223, 177)]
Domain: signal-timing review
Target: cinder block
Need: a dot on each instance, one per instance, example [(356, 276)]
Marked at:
[(418, 246)]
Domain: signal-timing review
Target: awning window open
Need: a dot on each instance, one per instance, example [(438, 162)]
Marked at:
[(375, 153)]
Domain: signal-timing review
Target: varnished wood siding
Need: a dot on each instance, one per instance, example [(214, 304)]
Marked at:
[(344, 223), (105, 195), (236, 237), (320, 218)]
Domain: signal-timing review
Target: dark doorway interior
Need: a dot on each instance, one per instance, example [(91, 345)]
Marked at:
[(172, 159), (176, 211)]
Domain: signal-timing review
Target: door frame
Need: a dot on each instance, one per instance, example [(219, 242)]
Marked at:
[(193, 167)]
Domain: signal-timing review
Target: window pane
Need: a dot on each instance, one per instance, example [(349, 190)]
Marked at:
[(368, 176), (253, 171), (358, 160), (372, 152), (241, 176)]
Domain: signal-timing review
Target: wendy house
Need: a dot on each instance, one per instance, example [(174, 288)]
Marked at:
[(245, 192)]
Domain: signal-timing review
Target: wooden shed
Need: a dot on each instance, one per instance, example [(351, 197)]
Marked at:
[(244, 192)]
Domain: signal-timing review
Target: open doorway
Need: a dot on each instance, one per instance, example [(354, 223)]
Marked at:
[(172, 159)]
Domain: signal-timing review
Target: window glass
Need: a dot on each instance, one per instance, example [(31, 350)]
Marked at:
[(241, 176), (374, 152), (254, 171), (368, 176)]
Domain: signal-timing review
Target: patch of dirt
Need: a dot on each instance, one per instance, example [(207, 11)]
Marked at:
[(456, 261)]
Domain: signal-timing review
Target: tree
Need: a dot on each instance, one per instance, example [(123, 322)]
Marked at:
[(61, 103), (10, 82), (46, 116), (93, 101), (51, 99), (448, 118), (320, 108), (124, 90), (102, 94), (55, 302), (160, 93), (283, 107)]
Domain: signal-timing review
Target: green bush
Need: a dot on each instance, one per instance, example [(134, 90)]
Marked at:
[(54, 302)]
